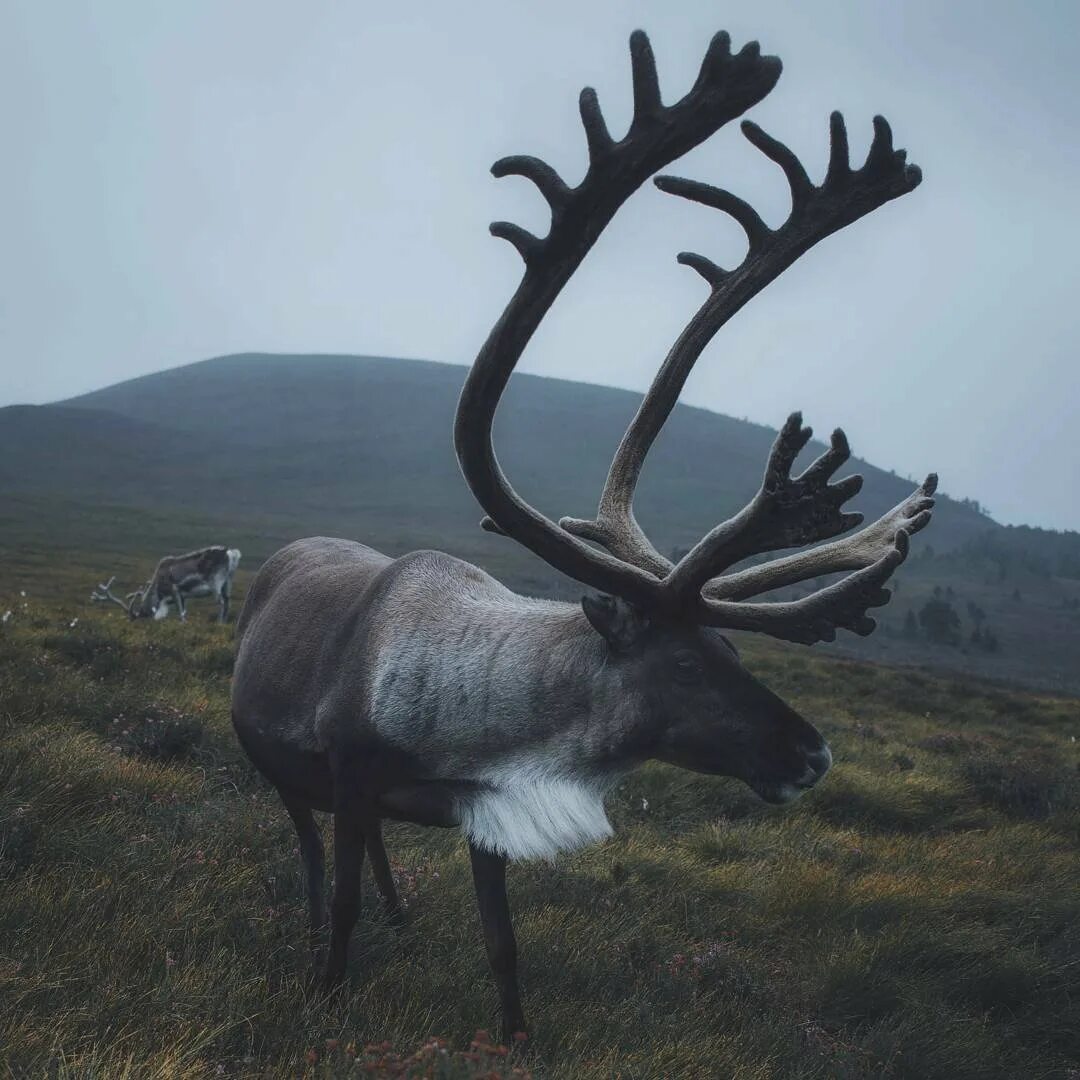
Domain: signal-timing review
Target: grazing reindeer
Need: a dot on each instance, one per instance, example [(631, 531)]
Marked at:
[(420, 689), (206, 572)]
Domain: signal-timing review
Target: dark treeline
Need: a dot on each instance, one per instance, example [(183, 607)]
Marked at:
[(1043, 552)]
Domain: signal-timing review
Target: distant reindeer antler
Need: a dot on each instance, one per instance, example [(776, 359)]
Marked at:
[(787, 511), (103, 593)]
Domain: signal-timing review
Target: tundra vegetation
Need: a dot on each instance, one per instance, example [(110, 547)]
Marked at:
[(917, 915)]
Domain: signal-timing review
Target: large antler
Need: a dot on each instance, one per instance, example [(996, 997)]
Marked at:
[(103, 593), (787, 511), (726, 86)]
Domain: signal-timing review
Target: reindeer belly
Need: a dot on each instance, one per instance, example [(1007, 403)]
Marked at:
[(197, 586), (293, 770)]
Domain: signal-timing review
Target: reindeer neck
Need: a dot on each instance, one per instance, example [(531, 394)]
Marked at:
[(486, 674)]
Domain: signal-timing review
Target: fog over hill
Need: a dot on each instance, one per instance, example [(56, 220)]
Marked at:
[(257, 449)]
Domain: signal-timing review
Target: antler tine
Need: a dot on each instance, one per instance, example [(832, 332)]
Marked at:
[(712, 273), (647, 102), (547, 180), (716, 55), (798, 182), (854, 552), (839, 155), (597, 136), (726, 86), (548, 183), (527, 245), (757, 232)]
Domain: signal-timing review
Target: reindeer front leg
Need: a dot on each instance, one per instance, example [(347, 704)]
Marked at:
[(179, 601), (223, 603), (489, 877)]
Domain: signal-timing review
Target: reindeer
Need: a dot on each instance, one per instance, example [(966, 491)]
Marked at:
[(206, 572), (421, 689)]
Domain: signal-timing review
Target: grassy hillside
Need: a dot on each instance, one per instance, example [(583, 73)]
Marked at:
[(256, 450), (354, 436), (916, 916)]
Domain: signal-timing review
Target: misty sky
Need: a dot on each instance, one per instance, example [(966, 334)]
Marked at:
[(189, 179)]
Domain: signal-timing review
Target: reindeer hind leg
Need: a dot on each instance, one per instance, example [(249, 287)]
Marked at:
[(314, 862), (349, 836), (380, 870)]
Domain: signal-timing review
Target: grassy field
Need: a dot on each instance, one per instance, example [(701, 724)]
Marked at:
[(361, 446), (915, 916)]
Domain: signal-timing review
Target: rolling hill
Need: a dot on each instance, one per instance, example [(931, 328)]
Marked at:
[(295, 436), (259, 449)]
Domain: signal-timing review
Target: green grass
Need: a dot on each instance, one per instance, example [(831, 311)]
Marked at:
[(916, 916)]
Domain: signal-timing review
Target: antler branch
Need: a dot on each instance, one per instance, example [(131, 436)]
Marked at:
[(855, 552), (103, 593), (726, 86), (786, 511), (818, 616), (873, 554)]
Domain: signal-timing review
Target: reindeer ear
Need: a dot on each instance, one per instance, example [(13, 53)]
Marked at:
[(619, 623)]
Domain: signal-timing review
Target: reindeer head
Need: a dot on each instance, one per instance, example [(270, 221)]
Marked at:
[(147, 603), (689, 698)]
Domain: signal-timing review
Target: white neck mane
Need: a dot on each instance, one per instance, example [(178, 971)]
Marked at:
[(532, 812)]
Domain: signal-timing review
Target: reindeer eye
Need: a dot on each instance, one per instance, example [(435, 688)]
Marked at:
[(687, 667)]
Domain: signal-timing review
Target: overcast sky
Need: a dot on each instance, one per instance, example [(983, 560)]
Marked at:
[(183, 180)]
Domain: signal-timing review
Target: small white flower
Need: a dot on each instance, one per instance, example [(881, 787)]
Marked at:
[(6, 616), (22, 592), (73, 624), (644, 804)]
